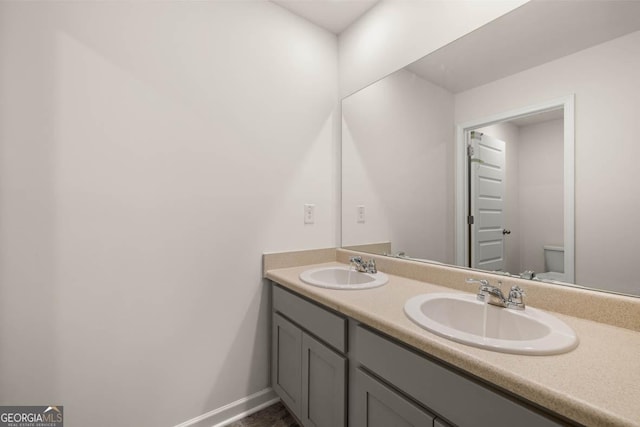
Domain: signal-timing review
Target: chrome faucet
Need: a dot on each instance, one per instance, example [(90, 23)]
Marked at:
[(493, 295), (489, 293), (363, 266), (400, 254)]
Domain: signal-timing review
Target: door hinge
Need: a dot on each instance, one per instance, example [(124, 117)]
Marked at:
[(470, 220)]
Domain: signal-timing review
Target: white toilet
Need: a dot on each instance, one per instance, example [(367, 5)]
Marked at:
[(553, 264)]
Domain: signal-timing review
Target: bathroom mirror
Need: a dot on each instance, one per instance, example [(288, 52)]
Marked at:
[(569, 168)]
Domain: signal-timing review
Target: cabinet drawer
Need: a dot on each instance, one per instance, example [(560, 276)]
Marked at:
[(459, 399), (377, 405), (325, 325)]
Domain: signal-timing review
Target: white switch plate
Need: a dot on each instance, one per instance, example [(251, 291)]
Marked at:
[(309, 214), (360, 214)]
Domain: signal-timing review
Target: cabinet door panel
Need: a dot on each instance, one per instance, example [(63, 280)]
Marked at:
[(377, 405), (286, 369), (323, 385)]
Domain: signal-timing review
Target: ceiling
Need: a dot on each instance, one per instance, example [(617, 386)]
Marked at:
[(535, 33), (518, 44), (332, 15)]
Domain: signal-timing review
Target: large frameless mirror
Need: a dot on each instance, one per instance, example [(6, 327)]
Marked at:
[(511, 150)]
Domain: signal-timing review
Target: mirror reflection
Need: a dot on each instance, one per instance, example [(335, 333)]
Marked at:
[(518, 207), (410, 186)]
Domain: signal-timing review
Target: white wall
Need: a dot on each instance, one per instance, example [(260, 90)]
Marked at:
[(605, 82), (541, 211), (394, 33), (397, 137), (149, 153)]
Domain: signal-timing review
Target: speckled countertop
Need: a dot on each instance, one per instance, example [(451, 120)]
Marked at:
[(596, 384)]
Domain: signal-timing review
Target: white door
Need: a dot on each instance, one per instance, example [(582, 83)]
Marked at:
[(487, 172)]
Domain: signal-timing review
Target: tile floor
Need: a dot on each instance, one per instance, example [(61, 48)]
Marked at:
[(273, 416)]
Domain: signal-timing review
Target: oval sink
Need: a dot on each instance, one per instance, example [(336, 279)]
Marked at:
[(342, 278), (462, 318)]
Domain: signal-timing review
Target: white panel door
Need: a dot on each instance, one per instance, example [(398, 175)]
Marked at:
[(487, 172)]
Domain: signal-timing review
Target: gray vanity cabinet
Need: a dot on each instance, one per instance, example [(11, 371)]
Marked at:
[(309, 368), (390, 384)]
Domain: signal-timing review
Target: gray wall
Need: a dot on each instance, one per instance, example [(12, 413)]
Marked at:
[(396, 139), (149, 153)]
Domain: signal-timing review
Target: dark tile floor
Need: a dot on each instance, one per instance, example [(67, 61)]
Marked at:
[(272, 416)]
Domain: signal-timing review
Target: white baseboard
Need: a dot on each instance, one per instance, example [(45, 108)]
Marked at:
[(234, 411)]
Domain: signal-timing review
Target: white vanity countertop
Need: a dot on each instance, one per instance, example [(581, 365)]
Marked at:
[(598, 383)]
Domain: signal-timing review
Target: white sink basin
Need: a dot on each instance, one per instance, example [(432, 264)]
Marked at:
[(462, 318), (342, 278)]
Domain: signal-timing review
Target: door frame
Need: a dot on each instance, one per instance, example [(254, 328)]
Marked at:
[(461, 177)]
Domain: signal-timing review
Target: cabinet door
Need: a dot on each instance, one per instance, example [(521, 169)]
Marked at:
[(286, 362), (323, 385), (379, 406)]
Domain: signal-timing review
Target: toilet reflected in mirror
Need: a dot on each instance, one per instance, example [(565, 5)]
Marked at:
[(553, 264)]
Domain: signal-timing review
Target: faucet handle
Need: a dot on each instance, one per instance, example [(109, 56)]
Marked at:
[(516, 298), (371, 266)]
